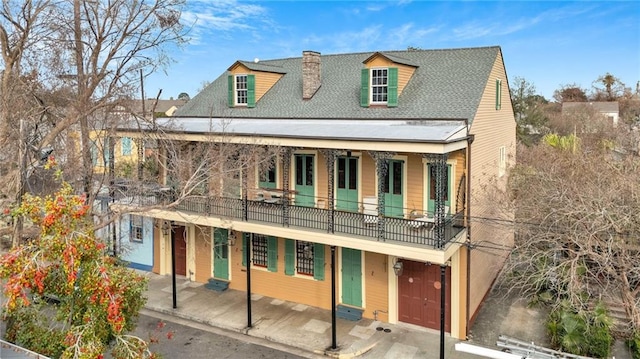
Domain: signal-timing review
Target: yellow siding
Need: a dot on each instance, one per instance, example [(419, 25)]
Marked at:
[(368, 178), (203, 254), (492, 128), (264, 80), (416, 171), (322, 187), (299, 289), (375, 278), (157, 235)]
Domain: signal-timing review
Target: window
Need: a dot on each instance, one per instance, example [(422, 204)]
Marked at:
[(268, 179), (242, 90), (135, 228), (265, 252), (379, 86), (125, 143), (502, 161), (498, 94), (304, 258)]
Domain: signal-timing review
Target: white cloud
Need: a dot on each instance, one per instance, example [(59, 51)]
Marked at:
[(222, 17)]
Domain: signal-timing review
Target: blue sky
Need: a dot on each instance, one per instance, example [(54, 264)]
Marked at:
[(548, 43)]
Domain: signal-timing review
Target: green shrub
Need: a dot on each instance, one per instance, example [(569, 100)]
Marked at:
[(634, 345), (580, 332)]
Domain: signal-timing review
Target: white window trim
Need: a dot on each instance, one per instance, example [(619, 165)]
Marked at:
[(405, 171), (292, 173), (235, 89), (357, 155), (371, 101), (452, 184)]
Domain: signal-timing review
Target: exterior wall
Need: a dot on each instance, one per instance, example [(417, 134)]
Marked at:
[(297, 288), (203, 255), (492, 129), (376, 286), (264, 80), (139, 255)]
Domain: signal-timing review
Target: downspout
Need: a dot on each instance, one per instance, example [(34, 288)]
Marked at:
[(470, 139)]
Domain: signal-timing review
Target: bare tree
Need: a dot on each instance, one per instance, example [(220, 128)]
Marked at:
[(578, 222)]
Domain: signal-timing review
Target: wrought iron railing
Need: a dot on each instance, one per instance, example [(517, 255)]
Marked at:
[(414, 231)]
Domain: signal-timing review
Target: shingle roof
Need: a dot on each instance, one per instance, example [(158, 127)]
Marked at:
[(447, 84)]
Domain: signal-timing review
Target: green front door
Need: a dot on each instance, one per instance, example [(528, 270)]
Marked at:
[(305, 195), (347, 184), (431, 191), (351, 277), (393, 198), (220, 253)]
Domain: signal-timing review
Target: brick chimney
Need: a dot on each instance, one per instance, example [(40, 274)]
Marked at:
[(310, 73)]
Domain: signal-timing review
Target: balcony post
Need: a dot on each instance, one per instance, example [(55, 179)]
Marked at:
[(439, 164), (382, 167), (245, 199), (330, 158), (286, 168)]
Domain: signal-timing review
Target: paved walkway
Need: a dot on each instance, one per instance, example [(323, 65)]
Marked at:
[(296, 325), (307, 329)]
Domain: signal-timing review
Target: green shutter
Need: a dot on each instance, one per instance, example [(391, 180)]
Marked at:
[(251, 91), (318, 261), (498, 94), (272, 254), (392, 87), (245, 240), (364, 88), (230, 94), (289, 256)]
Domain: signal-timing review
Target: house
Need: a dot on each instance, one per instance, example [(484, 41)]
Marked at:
[(609, 110), (361, 179)]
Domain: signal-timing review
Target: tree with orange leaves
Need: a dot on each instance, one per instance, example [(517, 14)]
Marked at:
[(65, 297)]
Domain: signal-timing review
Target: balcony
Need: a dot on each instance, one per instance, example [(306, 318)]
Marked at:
[(420, 231)]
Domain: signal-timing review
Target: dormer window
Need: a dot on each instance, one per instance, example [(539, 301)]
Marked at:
[(242, 90), (379, 87)]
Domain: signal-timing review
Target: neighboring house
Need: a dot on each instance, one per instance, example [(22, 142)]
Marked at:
[(387, 170), (609, 110), (149, 107)]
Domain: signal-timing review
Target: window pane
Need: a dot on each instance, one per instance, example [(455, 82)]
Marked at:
[(241, 88), (309, 163), (259, 249), (304, 257), (397, 177), (299, 170), (341, 173), (353, 173)]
